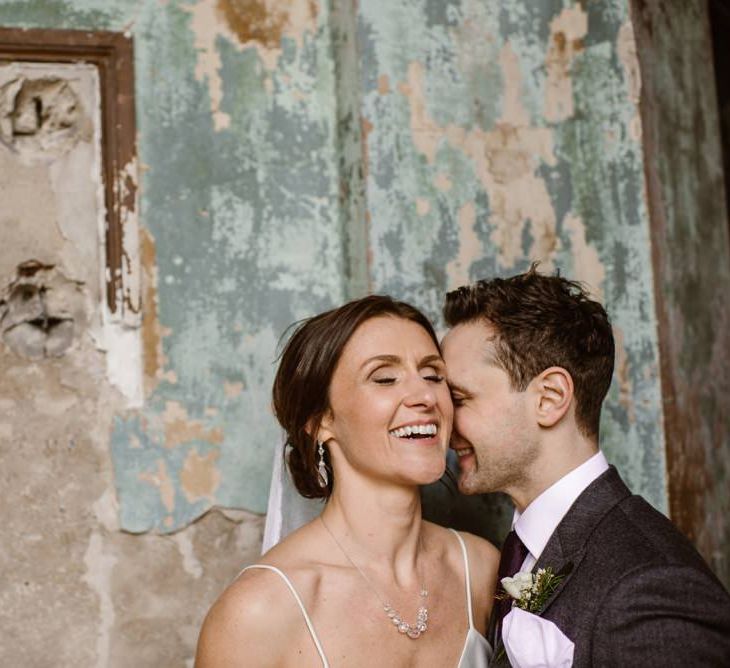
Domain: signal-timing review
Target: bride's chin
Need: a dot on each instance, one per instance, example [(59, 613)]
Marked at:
[(429, 474)]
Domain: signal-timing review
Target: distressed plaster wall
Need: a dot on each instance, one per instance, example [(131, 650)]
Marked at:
[(501, 133), (691, 252), (292, 155), (243, 180)]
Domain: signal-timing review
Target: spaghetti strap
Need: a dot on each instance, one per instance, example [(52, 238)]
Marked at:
[(310, 626), (467, 577)]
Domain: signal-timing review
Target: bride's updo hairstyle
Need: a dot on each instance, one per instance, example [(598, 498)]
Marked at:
[(301, 386)]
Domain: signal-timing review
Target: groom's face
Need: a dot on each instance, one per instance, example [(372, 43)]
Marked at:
[(494, 436)]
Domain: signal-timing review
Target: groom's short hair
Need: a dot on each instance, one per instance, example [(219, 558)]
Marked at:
[(542, 321)]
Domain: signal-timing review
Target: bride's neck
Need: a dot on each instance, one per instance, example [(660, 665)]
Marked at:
[(377, 522)]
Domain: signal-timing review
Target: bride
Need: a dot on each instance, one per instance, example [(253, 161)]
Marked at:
[(362, 396)]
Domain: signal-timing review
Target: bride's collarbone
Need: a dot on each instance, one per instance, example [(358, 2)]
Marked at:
[(349, 619)]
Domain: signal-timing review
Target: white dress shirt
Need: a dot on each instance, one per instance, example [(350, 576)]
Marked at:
[(539, 520)]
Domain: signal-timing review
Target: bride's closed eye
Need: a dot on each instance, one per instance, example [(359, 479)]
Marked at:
[(389, 380)]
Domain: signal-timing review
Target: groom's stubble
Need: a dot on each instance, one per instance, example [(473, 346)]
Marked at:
[(503, 463)]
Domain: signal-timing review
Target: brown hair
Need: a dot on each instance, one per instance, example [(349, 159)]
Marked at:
[(543, 321), (301, 386)]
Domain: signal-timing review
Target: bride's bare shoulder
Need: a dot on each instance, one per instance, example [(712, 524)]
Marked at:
[(240, 625), (251, 621), (482, 550), (483, 556), (472, 541)]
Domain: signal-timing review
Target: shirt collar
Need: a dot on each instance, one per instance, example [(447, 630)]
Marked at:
[(539, 520)]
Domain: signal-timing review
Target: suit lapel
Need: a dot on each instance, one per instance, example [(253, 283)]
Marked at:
[(562, 564), (567, 545)]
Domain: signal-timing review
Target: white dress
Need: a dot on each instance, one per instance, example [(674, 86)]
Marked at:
[(476, 652)]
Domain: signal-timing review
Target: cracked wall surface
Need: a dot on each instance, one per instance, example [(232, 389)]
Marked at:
[(291, 155), (516, 124), (692, 258)]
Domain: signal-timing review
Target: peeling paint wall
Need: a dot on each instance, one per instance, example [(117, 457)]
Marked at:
[(246, 239), (692, 258), (293, 155), (501, 133)]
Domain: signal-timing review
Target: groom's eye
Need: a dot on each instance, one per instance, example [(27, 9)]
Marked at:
[(434, 378), (385, 380)]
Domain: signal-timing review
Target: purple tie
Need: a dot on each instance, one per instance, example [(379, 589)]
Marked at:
[(513, 555)]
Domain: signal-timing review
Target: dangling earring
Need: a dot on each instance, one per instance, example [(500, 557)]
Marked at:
[(321, 468)]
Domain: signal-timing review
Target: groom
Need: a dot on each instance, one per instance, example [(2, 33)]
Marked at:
[(530, 360)]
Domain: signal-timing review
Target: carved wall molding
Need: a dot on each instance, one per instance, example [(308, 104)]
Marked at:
[(112, 54)]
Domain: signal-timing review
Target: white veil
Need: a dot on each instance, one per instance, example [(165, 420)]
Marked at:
[(287, 509)]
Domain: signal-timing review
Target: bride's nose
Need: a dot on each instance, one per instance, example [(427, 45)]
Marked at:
[(420, 392)]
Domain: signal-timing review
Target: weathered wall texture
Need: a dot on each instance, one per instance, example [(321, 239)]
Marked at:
[(239, 146), (500, 133), (692, 264), (64, 560), (294, 154)]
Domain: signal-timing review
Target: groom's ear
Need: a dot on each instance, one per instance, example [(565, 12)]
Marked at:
[(554, 395)]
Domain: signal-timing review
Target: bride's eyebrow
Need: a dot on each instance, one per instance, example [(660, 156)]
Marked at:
[(431, 359), (390, 359)]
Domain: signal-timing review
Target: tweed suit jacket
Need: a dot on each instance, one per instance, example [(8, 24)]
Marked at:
[(636, 592)]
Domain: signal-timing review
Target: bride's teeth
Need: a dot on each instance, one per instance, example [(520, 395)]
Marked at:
[(424, 429)]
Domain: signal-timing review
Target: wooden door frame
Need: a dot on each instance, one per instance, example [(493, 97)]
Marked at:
[(113, 55)]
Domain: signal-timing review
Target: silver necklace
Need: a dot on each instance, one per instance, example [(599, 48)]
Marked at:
[(413, 631)]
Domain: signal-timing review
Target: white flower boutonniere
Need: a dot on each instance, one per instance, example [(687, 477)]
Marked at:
[(531, 590)]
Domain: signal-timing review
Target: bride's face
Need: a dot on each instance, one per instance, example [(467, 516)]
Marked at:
[(391, 411)]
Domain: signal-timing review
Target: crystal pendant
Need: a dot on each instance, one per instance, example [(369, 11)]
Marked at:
[(322, 472), (412, 631)]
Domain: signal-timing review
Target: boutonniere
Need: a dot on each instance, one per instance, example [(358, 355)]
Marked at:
[(530, 591), (527, 639)]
